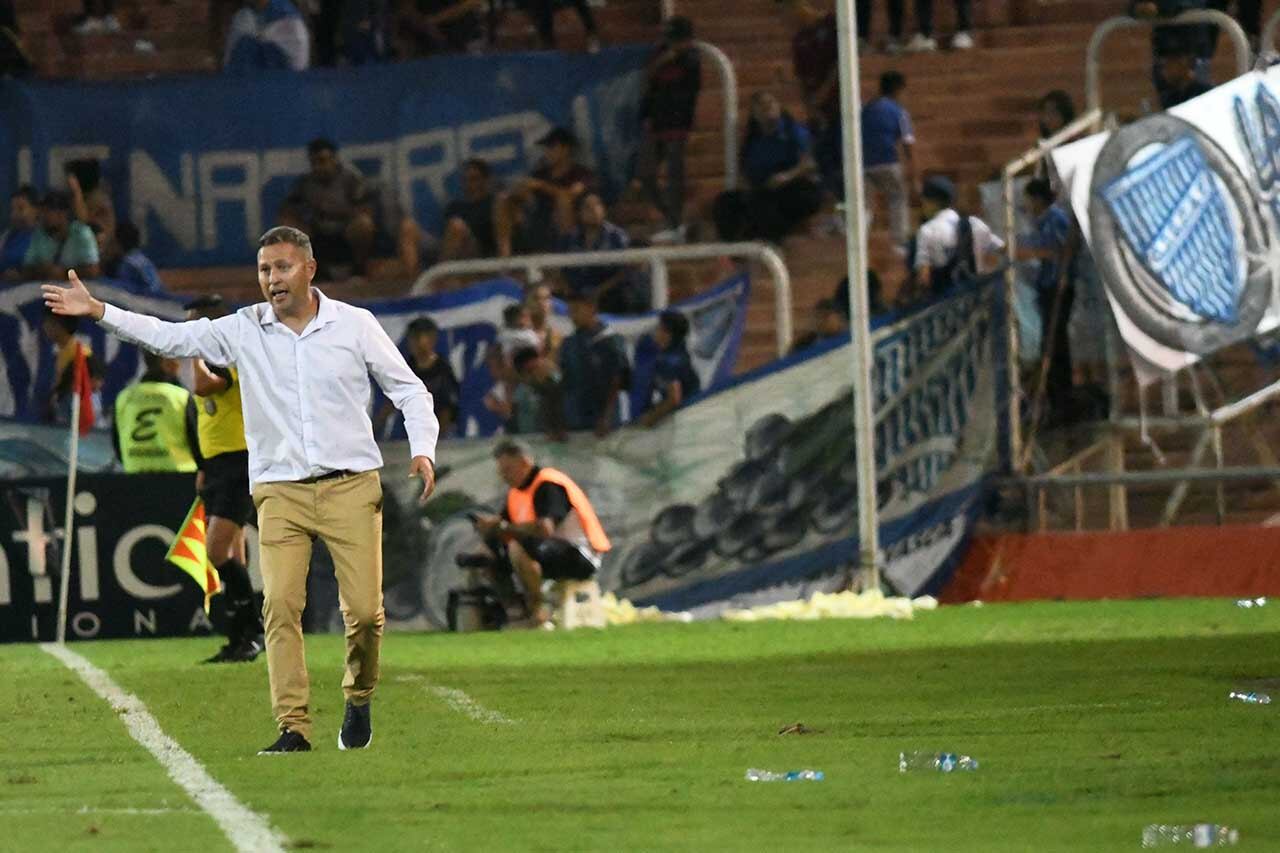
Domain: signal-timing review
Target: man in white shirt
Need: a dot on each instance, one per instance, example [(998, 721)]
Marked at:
[(304, 362), (948, 249)]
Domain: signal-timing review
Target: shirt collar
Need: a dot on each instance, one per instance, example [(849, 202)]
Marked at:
[(326, 312)]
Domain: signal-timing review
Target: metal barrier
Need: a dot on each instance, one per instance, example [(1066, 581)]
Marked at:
[(1088, 122), (1093, 69), (657, 258), (729, 83)]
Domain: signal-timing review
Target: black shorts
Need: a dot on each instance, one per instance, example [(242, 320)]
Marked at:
[(226, 487), (560, 560)]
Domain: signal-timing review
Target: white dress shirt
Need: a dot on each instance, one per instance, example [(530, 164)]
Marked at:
[(305, 397), (937, 239)]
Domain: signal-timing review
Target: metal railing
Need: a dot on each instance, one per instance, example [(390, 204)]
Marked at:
[(729, 83), (656, 257), (1088, 122), (1093, 63)]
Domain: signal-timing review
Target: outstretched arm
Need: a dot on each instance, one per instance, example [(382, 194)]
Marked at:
[(202, 338)]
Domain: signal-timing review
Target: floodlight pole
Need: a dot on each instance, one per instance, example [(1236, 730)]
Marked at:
[(859, 307)]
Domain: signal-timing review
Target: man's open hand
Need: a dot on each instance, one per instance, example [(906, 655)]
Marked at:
[(421, 467), (73, 301)]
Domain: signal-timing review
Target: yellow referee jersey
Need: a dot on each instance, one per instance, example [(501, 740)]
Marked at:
[(220, 422)]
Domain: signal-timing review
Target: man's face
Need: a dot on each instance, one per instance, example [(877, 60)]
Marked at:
[(22, 213), (583, 313), (662, 337), (513, 469), (324, 164), (1177, 70), (475, 184), (523, 320), (284, 274), (1036, 206), (55, 220), (1050, 120), (55, 331), (766, 109), (422, 345), (558, 154), (830, 323), (591, 213), (539, 302)]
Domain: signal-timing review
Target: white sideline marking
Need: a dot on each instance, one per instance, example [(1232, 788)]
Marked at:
[(247, 830), (459, 701)]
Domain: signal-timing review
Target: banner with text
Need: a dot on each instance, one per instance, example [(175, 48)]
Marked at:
[(1182, 213), (193, 163)]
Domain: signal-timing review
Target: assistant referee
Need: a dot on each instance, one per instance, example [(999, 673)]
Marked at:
[(223, 484)]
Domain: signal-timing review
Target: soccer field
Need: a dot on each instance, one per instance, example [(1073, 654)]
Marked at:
[(1090, 721)]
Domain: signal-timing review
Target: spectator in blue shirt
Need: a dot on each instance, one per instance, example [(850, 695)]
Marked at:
[(615, 288), (130, 267), (1047, 244), (674, 380), (594, 370), (778, 165), (16, 239), (888, 165)]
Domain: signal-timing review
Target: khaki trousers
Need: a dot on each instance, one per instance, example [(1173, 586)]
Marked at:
[(346, 512)]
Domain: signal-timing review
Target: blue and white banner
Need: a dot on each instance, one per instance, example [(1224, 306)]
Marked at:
[(201, 164), (1182, 213), (748, 495), (469, 321)]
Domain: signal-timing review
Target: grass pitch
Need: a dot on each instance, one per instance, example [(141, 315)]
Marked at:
[(1090, 721)]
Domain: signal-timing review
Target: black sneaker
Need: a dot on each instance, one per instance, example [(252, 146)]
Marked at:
[(222, 655), (357, 730), (246, 650), (287, 742)]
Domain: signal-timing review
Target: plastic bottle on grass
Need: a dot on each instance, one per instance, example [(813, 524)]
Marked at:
[(1250, 698), (757, 775), (943, 762), (1189, 835)]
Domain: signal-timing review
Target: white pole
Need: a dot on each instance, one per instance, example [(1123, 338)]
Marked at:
[(70, 516), (859, 307)]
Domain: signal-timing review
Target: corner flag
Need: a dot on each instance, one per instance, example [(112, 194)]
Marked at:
[(188, 553)]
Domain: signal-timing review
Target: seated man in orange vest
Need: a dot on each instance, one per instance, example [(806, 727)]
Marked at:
[(549, 528)]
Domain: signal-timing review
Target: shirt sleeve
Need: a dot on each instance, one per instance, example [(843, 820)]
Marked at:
[(213, 340), (550, 500), (906, 133), (983, 237), (403, 388)]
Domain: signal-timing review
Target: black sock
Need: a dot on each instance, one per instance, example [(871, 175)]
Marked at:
[(235, 577), (244, 619)]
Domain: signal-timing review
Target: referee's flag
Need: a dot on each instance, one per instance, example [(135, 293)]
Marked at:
[(189, 554)]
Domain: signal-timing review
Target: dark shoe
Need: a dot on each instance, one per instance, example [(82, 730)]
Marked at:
[(287, 742), (357, 730), (222, 655), (246, 650)]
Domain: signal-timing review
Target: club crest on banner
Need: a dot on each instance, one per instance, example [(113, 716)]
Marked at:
[(1177, 231)]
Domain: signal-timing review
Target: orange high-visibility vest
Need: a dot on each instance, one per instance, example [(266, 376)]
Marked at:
[(520, 506)]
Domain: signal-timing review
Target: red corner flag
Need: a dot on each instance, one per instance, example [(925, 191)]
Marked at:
[(82, 386)]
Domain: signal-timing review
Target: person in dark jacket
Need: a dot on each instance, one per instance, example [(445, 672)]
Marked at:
[(674, 380), (1196, 42), (673, 81)]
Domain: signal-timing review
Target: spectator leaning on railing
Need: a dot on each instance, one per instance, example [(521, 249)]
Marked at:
[(615, 288), (674, 380)]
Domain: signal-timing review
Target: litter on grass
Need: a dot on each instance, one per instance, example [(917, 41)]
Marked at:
[(836, 605)]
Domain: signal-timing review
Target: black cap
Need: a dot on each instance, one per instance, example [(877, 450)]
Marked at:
[(940, 189), (559, 136), (678, 28)]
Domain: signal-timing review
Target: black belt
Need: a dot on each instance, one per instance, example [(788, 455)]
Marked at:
[(332, 475)]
